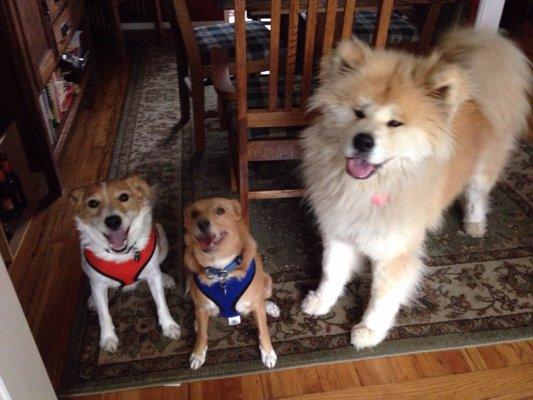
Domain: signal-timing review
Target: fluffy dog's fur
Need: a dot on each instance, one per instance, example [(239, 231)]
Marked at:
[(438, 126), (215, 234), (130, 200)]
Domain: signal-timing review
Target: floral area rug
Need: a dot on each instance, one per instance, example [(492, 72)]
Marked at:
[(476, 291)]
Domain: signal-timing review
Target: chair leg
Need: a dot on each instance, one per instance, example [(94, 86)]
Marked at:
[(117, 30), (198, 112), (243, 186), (232, 162), (159, 20), (185, 103)]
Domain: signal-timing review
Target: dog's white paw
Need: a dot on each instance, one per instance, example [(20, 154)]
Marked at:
[(269, 358), (362, 336), (168, 281), (197, 360), (91, 305), (172, 331), (475, 229), (272, 309), (109, 343), (313, 305)]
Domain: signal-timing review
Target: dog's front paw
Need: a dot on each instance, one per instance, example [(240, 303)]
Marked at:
[(168, 281), (197, 360), (272, 309), (314, 305), (172, 331), (109, 343), (269, 358), (362, 336), (475, 229)]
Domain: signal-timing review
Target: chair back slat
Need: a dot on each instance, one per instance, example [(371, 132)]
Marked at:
[(275, 24), (383, 21), (295, 56), (347, 22), (292, 48), (309, 51), (329, 29)]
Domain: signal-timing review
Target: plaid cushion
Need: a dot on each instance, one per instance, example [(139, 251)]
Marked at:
[(223, 35), (400, 29), (258, 98)]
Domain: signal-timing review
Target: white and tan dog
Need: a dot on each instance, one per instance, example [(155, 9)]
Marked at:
[(398, 139), (121, 246)]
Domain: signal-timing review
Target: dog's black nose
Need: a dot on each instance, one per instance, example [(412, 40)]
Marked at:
[(203, 224), (363, 142), (113, 222)]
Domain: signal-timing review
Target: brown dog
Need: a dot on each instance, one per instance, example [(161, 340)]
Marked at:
[(228, 277)]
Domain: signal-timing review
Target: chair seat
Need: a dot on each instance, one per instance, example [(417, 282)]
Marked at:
[(258, 99), (223, 35), (400, 30)]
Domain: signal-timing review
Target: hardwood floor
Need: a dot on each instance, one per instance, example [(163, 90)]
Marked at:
[(48, 278), (503, 371), (47, 273)]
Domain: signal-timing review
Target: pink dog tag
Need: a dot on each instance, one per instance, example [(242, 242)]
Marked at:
[(380, 200)]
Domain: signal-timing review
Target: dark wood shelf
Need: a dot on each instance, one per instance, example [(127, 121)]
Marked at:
[(69, 116)]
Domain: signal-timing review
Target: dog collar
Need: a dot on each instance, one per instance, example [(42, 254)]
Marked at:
[(125, 272), (380, 200), (226, 292), (222, 273)]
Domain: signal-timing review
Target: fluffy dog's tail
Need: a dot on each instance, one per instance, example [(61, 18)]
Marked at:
[(500, 76)]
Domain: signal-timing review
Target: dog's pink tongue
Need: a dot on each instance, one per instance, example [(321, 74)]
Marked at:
[(117, 239), (359, 168), (206, 241)]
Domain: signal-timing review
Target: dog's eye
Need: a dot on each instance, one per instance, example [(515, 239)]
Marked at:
[(394, 124), (93, 203), (194, 214), (124, 197), (220, 211), (359, 114)]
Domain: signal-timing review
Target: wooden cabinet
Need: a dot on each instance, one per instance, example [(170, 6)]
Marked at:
[(34, 34)]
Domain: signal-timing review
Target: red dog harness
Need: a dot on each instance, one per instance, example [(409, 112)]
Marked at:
[(126, 272)]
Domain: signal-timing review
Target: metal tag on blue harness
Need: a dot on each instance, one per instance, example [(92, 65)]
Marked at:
[(234, 320)]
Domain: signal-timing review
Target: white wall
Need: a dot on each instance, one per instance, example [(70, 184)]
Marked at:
[(489, 14), (22, 372)]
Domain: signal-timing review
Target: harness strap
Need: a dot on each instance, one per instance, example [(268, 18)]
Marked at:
[(226, 297), (126, 272)]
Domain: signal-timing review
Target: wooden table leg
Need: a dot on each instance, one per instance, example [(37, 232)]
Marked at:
[(158, 20), (117, 30)]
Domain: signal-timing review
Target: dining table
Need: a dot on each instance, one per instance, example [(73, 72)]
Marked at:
[(263, 6)]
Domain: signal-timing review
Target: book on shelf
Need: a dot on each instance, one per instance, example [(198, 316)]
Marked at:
[(48, 117)]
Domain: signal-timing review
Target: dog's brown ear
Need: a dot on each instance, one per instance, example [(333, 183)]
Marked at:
[(75, 196), (347, 57), (140, 187), (237, 209)]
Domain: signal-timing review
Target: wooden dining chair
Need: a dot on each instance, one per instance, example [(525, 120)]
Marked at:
[(266, 112), (193, 53)]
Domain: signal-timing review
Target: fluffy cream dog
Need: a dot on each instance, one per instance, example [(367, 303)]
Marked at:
[(398, 139)]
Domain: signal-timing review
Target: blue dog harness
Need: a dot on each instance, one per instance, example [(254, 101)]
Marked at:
[(227, 292)]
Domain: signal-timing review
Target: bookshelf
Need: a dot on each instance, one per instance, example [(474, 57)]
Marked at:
[(34, 187), (34, 36)]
